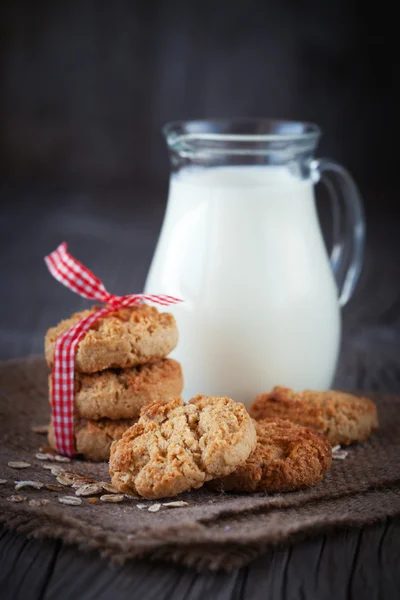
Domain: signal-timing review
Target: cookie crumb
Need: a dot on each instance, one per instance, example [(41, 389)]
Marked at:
[(38, 502), (93, 500), (16, 498), (42, 429), (47, 450)]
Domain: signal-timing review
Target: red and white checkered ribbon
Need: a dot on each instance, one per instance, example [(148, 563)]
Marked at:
[(71, 273)]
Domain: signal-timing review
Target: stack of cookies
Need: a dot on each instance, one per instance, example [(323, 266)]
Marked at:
[(121, 365)]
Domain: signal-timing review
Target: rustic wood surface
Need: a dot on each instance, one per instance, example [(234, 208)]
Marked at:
[(116, 242), (356, 564)]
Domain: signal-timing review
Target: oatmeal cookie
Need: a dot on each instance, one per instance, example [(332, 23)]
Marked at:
[(176, 447), (343, 418), (121, 393), (93, 439), (287, 457), (124, 338)]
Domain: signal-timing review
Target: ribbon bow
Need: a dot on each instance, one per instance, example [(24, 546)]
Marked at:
[(75, 276)]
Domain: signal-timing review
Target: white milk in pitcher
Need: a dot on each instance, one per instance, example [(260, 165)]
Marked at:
[(242, 247)]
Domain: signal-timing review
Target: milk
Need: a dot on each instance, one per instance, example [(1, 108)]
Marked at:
[(242, 247)]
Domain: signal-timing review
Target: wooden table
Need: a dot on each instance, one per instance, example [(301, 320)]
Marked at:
[(114, 232)]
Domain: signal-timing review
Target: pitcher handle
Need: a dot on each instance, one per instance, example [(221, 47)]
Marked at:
[(348, 224)]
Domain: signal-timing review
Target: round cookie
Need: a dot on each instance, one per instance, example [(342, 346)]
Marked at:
[(121, 393), (176, 447), (124, 338), (287, 457), (93, 439), (343, 418)]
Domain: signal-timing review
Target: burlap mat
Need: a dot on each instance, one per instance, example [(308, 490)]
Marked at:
[(215, 530)]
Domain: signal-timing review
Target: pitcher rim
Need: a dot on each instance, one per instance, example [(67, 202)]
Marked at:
[(185, 130)]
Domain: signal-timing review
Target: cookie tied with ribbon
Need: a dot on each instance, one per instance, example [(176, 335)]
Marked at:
[(71, 273)]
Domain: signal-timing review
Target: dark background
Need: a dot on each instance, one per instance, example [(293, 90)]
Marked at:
[(85, 88)]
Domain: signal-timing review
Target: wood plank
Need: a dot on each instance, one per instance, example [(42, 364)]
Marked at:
[(345, 565)]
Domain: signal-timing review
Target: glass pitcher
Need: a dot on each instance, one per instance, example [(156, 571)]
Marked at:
[(241, 245)]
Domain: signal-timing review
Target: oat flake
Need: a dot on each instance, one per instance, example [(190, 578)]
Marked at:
[(64, 480), (44, 456), (340, 455), (51, 466), (71, 500), (54, 487), (62, 459), (177, 504), (89, 489), (112, 498), (78, 483), (33, 484), (57, 471), (108, 487)]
